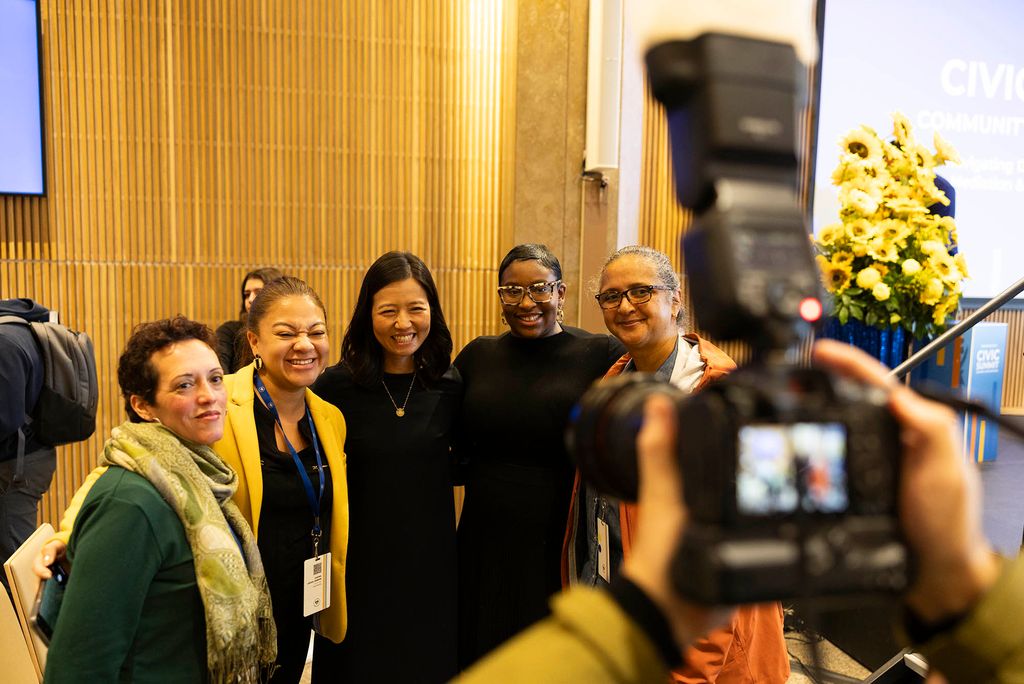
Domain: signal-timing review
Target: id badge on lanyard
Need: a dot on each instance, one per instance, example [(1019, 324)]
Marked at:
[(316, 571)]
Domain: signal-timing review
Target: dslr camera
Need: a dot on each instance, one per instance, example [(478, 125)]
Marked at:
[(790, 474)]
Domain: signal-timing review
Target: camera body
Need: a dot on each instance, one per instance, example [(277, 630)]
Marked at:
[(790, 476)]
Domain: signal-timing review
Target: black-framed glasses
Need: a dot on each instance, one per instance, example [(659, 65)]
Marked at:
[(611, 299), (538, 292)]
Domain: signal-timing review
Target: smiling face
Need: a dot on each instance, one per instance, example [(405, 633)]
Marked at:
[(529, 318), (640, 327), (401, 323), (292, 341), (190, 398), (251, 288)]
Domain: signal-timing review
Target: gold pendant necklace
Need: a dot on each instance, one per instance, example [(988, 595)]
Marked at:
[(400, 410)]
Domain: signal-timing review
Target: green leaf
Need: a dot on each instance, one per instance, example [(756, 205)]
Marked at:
[(854, 291), (871, 318), (844, 316), (857, 312)]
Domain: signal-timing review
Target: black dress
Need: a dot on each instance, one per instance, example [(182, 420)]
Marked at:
[(230, 344), (400, 579), (285, 540), (518, 476)]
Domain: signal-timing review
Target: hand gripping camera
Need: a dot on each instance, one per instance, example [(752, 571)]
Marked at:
[(791, 475)]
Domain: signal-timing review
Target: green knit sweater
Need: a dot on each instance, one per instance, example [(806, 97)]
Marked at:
[(132, 610)]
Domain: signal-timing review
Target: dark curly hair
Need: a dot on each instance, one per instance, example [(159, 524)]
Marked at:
[(135, 372), (361, 351)]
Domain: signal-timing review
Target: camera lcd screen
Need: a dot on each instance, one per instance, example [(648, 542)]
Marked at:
[(783, 466)]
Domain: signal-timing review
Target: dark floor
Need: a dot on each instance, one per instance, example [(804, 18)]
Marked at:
[(1003, 482)]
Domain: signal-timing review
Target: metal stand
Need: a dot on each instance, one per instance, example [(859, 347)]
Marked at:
[(906, 667)]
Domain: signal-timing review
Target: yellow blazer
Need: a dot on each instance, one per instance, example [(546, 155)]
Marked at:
[(240, 449)]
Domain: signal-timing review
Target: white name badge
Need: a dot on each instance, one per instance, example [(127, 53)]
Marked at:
[(603, 556), (316, 584)]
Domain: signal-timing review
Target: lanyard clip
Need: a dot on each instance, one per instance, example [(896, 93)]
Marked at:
[(316, 537)]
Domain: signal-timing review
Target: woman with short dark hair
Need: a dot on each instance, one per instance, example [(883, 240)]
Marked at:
[(167, 583), (400, 395), (519, 389)]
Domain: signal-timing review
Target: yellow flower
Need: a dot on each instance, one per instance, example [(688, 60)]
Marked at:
[(932, 247), (862, 142), (894, 230), (860, 230), (894, 319), (932, 292), (944, 266), (860, 201), (881, 291), (830, 233), (922, 156), (906, 206), (944, 152), (911, 266), (842, 258), (901, 129), (836, 278), (859, 249), (882, 250), (868, 277), (961, 264)]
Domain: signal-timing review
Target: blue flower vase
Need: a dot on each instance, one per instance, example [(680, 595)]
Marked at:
[(891, 346)]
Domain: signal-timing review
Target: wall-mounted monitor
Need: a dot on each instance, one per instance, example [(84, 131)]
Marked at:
[(951, 66), (21, 121)]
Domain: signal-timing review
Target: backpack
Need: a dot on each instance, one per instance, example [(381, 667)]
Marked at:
[(66, 409)]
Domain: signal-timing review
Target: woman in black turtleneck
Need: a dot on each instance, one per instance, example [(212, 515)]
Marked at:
[(519, 388)]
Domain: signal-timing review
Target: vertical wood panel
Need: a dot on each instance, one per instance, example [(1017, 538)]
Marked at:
[(188, 142)]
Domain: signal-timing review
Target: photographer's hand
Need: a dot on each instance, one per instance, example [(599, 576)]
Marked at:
[(663, 517), (940, 501)]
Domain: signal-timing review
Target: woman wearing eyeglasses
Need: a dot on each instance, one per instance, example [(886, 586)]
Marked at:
[(519, 389), (642, 306)]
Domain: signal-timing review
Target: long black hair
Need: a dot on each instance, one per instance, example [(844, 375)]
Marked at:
[(361, 351), (266, 275)]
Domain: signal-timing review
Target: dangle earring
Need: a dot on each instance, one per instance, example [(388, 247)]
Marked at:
[(503, 321), (560, 315), (258, 360)]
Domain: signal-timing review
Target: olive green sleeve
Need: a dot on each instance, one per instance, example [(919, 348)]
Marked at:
[(988, 644), (588, 638)]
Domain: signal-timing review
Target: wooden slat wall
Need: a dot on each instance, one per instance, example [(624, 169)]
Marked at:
[(189, 141)]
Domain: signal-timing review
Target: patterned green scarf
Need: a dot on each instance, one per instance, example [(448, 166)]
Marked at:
[(241, 640)]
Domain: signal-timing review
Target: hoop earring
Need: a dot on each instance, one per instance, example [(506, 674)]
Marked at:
[(258, 361), (560, 315)]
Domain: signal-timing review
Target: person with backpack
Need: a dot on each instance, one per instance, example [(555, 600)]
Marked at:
[(50, 395)]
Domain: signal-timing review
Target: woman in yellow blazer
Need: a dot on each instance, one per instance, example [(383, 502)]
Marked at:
[(274, 422)]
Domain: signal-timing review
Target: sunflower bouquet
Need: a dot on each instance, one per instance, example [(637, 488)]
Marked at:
[(890, 261)]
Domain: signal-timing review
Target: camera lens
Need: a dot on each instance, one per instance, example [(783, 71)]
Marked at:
[(602, 432)]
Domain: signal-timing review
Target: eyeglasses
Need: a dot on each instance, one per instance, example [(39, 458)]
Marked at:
[(538, 292), (636, 295)]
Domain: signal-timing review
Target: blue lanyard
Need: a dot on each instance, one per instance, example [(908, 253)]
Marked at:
[(314, 500)]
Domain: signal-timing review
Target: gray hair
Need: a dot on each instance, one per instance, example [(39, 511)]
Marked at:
[(662, 268)]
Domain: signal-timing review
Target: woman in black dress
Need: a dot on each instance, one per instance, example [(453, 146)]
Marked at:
[(400, 396), (518, 390)]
